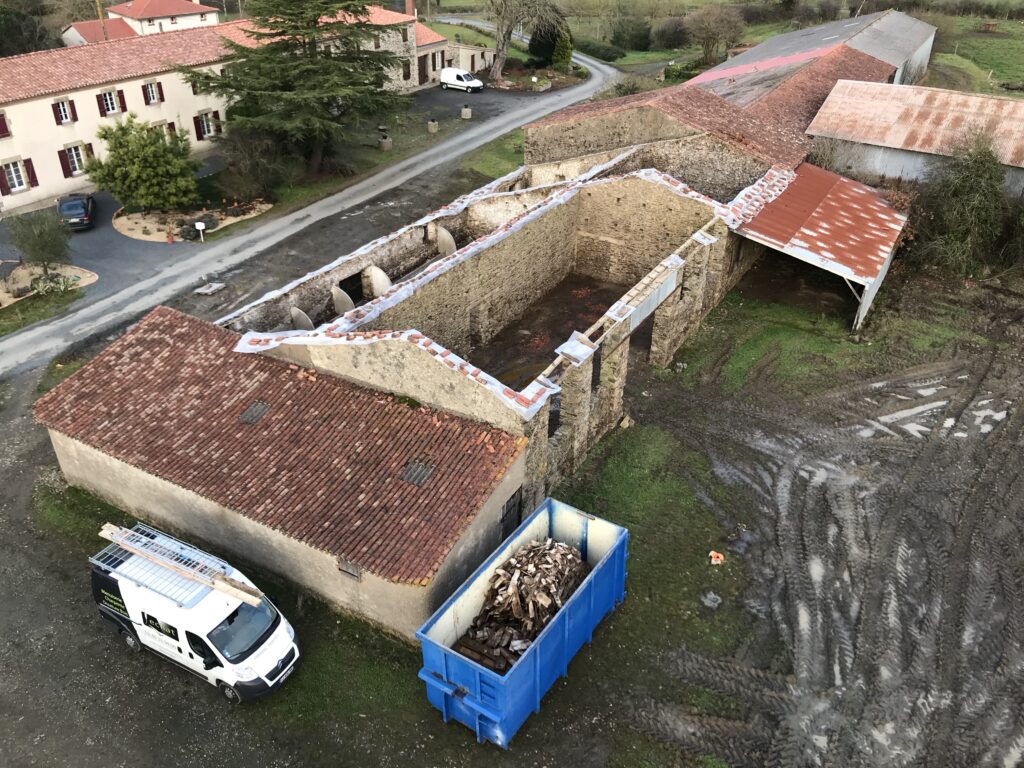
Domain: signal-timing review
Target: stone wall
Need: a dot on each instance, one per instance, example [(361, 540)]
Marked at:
[(548, 142), (626, 227), (400, 608), (708, 165), (474, 300)]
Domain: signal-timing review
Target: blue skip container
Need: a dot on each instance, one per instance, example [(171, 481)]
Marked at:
[(493, 705)]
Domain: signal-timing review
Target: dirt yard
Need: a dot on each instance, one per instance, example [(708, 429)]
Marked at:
[(20, 277), (866, 493)]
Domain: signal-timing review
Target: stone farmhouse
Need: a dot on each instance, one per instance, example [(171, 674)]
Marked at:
[(53, 102), (142, 17), (404, 402)]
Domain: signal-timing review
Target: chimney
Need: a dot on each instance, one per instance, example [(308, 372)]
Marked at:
[(410, 7)]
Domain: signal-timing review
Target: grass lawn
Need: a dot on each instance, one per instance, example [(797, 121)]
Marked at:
[(33, 309), (745, 337), (1000, 52), (954, 72), (496, 158), (58, 370)]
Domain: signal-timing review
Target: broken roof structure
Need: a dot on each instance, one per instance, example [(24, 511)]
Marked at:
[(918, 119), (314, 457), (889, 37), (834, 223)]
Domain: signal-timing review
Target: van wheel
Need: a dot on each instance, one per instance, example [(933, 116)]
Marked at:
[(444, 86), (230, 694), (131, 641)]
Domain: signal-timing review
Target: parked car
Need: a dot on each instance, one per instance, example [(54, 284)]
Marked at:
[(192, 609), (453, 77), (78, 211)]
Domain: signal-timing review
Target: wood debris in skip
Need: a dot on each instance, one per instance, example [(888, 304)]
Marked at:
[(525, 593)]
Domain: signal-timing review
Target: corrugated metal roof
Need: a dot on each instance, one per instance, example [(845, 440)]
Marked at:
[(917, 119), (894, 38), (830, 221)]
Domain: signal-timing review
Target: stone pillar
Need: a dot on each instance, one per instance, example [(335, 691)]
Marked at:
[(607, 406), (576, 413), (536, 477)]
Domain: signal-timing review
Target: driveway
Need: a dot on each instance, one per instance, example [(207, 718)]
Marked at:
[(36, 344)]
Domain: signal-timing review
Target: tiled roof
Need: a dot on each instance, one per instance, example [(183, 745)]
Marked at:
[(833, 222), (67, 69), (323, 464), (702, 111), (917, 119), (157, 9), (92, 31), (426, 36), (60, 70), (796, 100)]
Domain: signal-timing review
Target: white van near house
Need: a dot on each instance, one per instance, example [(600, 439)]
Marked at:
[(453, 77), (194, 610)]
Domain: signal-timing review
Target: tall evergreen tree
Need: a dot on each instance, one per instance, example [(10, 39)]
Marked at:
[(308, 75)]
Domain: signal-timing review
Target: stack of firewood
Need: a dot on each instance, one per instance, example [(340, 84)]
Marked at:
[(525, 594)]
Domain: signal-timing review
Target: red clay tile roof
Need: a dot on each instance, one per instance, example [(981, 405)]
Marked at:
[(60, 70), (703, 111), (797, 99), (831, 221), (324, 463), (92, 31), (154, 9), (81, 66), (426, 36)]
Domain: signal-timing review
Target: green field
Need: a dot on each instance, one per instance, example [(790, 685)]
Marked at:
[(1000, 53)]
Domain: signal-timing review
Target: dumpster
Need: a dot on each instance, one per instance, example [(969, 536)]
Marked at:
[(496, 705)]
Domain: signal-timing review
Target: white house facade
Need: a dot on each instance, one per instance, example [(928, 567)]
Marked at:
[(150, 17)]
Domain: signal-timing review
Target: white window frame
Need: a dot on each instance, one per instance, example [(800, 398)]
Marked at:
[(65, 111), (202, 17), (12, 170), (110, 103), (206, 120), (151, 22), (152, 93), (174, 19), (76, 158)]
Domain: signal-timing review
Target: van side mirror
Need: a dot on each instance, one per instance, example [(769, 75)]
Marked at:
[(209, 663)]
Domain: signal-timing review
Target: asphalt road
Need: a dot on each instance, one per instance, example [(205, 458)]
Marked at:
[(497, 114)]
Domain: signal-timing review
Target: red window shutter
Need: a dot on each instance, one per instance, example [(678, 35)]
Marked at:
[(74, 112), (145, 95), (102, 106), (65, 165), (199, 128), (171, 129), (30, 171), (88, 150), (217, 127), (56, 113), (4, 188), (160, 91), (4, 132), (121, 101)]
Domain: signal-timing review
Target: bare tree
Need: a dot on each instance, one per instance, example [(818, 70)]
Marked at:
[(531, 15), (713, 26)]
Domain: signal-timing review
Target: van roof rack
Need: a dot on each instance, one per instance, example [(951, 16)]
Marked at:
[(168, 566)]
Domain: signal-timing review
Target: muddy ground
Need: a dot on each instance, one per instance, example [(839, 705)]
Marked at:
[(866, 492)]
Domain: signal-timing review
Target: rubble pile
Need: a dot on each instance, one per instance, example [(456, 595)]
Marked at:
[(525, 593)]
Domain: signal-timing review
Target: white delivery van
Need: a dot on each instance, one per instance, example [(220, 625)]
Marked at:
[(452, 77), (194, 610)]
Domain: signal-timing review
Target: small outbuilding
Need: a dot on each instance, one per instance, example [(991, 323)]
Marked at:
[(376, 504), (896, 131)]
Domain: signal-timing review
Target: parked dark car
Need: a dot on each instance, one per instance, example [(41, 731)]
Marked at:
[(78, 211)]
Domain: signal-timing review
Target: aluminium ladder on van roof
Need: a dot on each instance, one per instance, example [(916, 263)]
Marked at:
[(172, 568)]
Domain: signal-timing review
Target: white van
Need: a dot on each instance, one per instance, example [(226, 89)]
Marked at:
[(453, 77), (194, 610)]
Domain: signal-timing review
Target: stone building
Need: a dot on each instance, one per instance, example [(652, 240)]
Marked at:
[(379, 506)]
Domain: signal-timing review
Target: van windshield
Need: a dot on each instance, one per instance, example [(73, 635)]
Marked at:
[(243, 630)]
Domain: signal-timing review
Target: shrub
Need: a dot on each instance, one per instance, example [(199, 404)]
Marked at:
[(714, 27), (542, 44), (598, 49), (631, 33), (828, 10), (670, 34), (678, 73), (562, 58)]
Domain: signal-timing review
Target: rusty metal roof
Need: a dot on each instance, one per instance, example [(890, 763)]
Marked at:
[(832, 222), (917, 119)]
